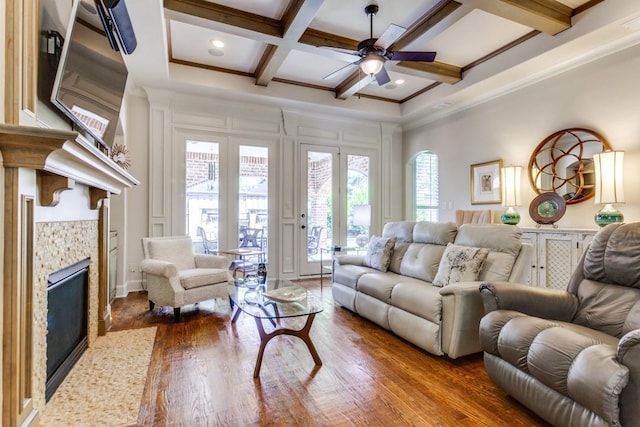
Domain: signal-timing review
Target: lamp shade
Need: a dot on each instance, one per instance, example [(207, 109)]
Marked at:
[(371, 64), (609, 170), (511, 176), (362, 215)]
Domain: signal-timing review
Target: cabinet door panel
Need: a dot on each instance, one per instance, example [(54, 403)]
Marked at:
[(557, 259), (532, 239)]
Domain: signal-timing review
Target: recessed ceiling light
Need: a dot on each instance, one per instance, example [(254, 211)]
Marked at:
[(399, 82), (390, 86), (215, 51), (217, 43), (442, 105)]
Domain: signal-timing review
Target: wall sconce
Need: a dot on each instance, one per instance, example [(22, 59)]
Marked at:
[(362, 217), (511, 197), (609, 186)]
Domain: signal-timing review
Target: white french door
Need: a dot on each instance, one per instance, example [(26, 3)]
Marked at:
[(226, 192), (335, 184)]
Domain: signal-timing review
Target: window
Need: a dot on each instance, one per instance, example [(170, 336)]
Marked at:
[(425, 180)]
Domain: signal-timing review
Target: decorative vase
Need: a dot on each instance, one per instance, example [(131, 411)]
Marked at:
[(608, 215), (510, 216), (262, 273)]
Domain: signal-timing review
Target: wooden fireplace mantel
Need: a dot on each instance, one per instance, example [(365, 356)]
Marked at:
[(60, 159), (63, 153)]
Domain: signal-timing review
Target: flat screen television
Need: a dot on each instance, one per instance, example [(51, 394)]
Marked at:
[(91, 77)]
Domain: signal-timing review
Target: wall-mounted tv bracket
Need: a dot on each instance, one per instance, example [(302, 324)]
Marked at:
[(52, 43)]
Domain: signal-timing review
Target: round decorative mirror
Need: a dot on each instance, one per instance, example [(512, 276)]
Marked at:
[(563, 164)]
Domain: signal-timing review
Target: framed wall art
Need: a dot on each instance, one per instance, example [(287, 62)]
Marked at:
[(486, 183)]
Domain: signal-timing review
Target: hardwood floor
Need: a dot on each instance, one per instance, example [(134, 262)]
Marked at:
[(201, 374)]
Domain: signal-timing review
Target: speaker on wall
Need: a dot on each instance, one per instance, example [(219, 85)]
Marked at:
[(117, 25)]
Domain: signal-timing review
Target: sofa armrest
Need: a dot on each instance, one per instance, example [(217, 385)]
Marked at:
[(628, 343), (461, 313), (521, 269), (628, 354), (544, 303), (158, 268), (211, 261), (349, 259)]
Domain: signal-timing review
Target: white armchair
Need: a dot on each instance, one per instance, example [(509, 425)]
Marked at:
[(177, 277)]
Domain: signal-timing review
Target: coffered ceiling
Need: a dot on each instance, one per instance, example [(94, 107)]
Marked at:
[(281, 51)]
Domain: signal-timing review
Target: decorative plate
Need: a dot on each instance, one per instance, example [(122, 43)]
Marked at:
[(547, 208), (288, 294)]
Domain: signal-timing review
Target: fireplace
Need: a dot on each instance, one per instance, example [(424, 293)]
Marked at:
[(67, 321), (67, 229)]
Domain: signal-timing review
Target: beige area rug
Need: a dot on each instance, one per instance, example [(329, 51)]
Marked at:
[(105, 387)]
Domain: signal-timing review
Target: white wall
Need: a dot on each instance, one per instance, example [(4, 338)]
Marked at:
[(132, 205), (157, 124), (603, 95)]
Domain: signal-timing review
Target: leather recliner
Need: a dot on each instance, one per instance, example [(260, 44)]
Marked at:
[(573, 357)]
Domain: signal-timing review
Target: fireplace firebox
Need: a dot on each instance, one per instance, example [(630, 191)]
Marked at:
[(67, 319)]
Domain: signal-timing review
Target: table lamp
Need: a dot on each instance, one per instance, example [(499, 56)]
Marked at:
[(362, 217), (609, 189), (511, 194)]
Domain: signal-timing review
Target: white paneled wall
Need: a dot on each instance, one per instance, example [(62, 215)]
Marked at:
[(174, 117)]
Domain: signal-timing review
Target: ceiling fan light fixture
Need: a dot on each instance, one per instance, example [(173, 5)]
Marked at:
[(371, 64)]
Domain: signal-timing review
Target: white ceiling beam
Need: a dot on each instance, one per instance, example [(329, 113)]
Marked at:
[(352, 84), (270, 63), (298, 17), (548, 16), (437, 71), (432, 23), (225, 15), (295, 21)]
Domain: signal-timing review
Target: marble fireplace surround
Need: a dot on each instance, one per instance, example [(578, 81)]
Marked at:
[(56, 160)]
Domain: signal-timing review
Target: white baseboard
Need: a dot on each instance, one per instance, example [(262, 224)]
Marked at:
[(131, 286)]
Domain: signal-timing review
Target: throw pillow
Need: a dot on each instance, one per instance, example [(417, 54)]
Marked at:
[(460, 264), (379, 252)]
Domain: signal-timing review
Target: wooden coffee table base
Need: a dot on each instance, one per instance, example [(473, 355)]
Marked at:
[(303, 334)]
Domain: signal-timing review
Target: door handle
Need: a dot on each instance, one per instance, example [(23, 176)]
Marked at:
[(303, 226)]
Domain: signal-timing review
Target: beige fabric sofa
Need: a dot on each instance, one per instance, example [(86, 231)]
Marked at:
[(440, 320), (573, 357)]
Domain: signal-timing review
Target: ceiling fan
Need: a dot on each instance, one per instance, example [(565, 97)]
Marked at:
[(373, 52)]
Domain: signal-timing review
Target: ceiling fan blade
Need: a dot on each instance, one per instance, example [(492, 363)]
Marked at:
[(339, 71), (390, 35), (411, 56), (341, 50), (383, 77)]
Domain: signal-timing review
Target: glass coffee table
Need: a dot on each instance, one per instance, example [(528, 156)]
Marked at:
[(274, 300)]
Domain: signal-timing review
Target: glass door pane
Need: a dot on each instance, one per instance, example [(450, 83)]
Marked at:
[(253, 199), (319, 202), (202, 193), (358, 206), (336, 203), (319, 207)]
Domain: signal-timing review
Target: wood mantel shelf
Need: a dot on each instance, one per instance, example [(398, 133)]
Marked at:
[(63, 153)]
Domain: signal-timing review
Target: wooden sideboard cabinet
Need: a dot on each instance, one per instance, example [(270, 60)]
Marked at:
[(556, 253)]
